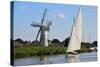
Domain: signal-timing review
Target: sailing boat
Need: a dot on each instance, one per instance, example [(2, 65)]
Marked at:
[(76, 35)]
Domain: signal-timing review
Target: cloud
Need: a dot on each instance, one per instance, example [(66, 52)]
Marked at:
[(60, 15)]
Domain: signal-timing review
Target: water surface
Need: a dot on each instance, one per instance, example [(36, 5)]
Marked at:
[(56, 59)]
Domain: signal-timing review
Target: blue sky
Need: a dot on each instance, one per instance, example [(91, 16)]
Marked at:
[(62, 18)]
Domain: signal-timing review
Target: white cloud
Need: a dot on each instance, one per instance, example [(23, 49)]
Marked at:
[(60, 15)]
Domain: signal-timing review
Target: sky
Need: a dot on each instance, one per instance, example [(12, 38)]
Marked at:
[(61, 15)]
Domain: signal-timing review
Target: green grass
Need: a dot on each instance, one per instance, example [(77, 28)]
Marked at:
[(26, 51), (85, 50), (37, 50)]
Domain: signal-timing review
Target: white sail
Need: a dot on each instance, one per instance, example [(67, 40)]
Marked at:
[(76, 33)]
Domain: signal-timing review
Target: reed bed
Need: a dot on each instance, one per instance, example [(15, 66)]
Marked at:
[(30, 50)]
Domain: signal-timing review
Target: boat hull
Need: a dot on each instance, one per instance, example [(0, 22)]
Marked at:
[(72, 54)]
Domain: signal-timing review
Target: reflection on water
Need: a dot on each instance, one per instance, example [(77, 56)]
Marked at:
[(73, 59), (43, 59), (56, 59)]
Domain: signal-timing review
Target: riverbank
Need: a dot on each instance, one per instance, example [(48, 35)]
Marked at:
[(26, 51), (37, 50)]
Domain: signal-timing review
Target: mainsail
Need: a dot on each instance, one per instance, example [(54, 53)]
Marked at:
[(76, 34)]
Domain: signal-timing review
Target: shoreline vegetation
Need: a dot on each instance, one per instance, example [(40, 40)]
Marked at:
[(30, 50), (27, 49)]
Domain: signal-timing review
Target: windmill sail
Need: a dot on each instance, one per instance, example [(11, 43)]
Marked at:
[(76, 33), (43, 30)]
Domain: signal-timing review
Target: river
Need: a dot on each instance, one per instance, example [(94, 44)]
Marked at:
[(56, 59)]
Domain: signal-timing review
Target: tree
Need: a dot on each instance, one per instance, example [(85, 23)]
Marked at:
[(19, 40), (25, 41), (95, 43), (35, 42), (86, 45), (66, 41), (55, 41)]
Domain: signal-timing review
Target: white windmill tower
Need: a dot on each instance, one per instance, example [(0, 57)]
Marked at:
[(43, 30)]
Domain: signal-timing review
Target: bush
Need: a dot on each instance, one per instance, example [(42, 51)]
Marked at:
[(26, 51), (30, 50)]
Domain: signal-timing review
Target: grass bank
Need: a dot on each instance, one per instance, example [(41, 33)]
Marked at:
[(37, 50), (26, 51)]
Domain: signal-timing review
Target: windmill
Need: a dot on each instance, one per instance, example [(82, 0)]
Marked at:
[(43, 29)]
